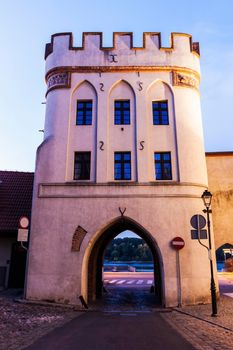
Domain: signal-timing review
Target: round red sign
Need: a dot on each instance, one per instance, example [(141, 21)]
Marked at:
[(23, 222), (177, 243)]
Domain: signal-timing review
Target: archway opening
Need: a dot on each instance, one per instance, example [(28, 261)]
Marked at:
[(125, 283), (224, 256)]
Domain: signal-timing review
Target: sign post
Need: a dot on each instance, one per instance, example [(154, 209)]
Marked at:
[(178, 243), (23, 230)]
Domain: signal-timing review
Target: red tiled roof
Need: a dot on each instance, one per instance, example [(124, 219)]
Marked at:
[(15, 198), (222, 153)]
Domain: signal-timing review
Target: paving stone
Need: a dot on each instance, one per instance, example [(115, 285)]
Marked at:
[(22, 324), (200, 329)]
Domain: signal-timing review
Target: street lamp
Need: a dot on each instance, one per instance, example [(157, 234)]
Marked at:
[(207, 197)]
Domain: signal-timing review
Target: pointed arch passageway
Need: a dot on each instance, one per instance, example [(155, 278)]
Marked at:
[(96, 288)]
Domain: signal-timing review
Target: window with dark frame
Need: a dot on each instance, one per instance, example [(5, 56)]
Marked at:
[(122, 165), (84, 112), (160, 112), (82, 165), (163, 169), (122, 112)]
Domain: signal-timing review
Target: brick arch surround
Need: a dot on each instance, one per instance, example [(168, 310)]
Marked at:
[(95, 262)]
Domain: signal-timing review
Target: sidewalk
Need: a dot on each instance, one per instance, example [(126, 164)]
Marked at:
[(200, 329), (22, 324)]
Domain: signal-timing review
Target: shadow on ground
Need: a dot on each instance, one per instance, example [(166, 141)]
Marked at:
[(118, 299)]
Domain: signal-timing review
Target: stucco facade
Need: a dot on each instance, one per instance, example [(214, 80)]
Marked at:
[(220, 174), (157, 209)]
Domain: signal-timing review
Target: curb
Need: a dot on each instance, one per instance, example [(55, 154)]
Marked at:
[(53, 304), (202, 319)]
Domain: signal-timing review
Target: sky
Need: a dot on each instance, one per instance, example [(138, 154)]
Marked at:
[(127, 233), (26, 26)]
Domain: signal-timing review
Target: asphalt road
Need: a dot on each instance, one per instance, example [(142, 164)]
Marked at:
[(114, 331), (143, 279), (128, 279), (124, 319)]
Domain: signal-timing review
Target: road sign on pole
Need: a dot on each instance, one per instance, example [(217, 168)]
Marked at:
[(198, 222), (23, 222), (22, 235), (177, 243), (23, 229)]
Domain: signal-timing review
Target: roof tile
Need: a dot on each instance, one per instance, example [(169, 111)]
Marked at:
[(15, 198)]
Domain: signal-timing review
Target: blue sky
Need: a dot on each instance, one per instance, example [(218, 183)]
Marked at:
[(26, 26), (127, 233)]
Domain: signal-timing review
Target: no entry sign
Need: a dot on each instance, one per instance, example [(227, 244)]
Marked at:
[(23, 229), (23, 222), (177, 243)]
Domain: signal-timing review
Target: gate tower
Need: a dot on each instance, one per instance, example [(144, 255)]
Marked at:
[(123, 129)]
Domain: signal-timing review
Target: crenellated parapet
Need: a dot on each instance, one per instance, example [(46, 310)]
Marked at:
[(63, 58), (121, 40)]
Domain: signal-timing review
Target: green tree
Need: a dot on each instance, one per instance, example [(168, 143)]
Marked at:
[(128, 249)]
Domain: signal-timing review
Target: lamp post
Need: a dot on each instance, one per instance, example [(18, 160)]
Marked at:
[(207, 197)]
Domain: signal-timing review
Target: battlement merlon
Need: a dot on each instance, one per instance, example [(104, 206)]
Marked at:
[(182, 52)]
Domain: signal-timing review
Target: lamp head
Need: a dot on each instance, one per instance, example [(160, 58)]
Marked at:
[(207, 197)]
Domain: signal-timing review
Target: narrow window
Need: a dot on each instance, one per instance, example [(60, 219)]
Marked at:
[(163, 169), (82, 165), (122, 112), (160, 112), (122, 161), (84, 112)]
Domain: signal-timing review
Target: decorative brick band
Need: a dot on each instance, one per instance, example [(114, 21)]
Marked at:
[(60, 77), (58, 80), (109, 69), (180, 79), (78, 237)]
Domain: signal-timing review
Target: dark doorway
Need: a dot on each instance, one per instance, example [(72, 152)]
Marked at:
[(97, 288), (17, 266)]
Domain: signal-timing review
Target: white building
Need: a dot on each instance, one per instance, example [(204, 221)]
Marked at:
[(123, 149)]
